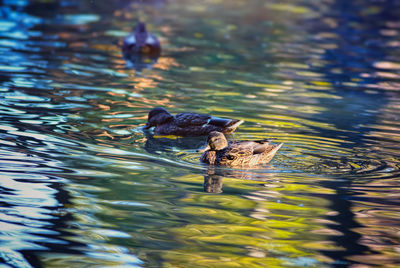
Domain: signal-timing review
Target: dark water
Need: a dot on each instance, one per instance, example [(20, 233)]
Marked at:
[(82, 186)]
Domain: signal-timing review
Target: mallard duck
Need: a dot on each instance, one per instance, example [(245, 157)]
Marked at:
[(218, 151), (188, 124), (141, 42)]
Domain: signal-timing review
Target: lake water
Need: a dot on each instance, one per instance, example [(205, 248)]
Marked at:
[(81, 185)]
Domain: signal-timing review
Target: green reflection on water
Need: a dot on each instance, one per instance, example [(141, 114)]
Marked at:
[(252, 223)]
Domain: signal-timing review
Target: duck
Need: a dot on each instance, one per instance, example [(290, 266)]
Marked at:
[(219, 152), (188, 124), (141, 42)]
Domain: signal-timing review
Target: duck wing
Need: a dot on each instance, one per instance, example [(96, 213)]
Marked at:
[(191, 119), (152, 40), (256, 147), (248, 153), (184, 119), (235, 155)]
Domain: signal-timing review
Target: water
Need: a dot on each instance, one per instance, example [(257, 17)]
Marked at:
[(82, 185)]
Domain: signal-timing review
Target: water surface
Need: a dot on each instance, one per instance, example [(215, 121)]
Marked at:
[(82, 185)]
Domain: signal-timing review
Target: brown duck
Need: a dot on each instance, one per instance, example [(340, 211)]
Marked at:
[(141, 42), (219, 151), (188, 124)]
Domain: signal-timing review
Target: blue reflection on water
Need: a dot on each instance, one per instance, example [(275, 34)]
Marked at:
[(32, 217)]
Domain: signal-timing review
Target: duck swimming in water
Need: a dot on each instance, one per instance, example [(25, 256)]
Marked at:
[(141, 42), (220, 152), (188, 124)]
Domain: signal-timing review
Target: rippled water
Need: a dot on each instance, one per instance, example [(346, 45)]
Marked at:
[(82, 185)]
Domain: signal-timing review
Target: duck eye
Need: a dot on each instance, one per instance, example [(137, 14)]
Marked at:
[(230, 157)]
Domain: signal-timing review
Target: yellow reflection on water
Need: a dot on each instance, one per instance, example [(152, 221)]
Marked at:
[(252, 230)]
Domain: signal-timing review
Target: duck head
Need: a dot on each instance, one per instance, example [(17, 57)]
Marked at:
[(140, 28), (140, 34), (158, 116), (216, 141)]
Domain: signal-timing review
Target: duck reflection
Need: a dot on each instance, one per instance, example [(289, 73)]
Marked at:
[(213, 177), (157, 144), (212, 182), (140, 61)]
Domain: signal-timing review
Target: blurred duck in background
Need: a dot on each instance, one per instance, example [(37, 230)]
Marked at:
[(141, 42)]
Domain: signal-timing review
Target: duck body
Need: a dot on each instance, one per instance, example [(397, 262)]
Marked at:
[(141, 42), (220, 152), (188, 124)]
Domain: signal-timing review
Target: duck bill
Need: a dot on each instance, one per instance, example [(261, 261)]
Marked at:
[(204, 148), (147, 126)]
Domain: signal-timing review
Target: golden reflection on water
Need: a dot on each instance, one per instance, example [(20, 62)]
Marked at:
[(251, 229)]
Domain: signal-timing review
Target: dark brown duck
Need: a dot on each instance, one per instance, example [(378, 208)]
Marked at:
[(188, 124), (220, 152), (141, 42)]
